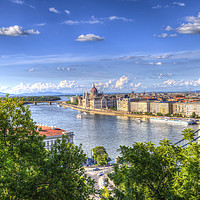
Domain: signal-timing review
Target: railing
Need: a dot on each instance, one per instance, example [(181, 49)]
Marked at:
[(184, 142)]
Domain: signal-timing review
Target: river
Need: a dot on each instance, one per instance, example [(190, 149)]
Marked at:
[(104, 130)]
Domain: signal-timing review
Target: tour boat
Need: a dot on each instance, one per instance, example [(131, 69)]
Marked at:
[(79, 116), (138, 120), (174, 120)]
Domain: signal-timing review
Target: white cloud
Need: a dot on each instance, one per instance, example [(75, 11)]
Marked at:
[(124, 83), (31, 70), (41, 24), (111, 18), (42, 87), (177, 84), (162, 56), (18, 1), (63, 69), (4, 88), (157, 6), (165, 35), (179, 4), (67, 11), (21, 2), (168, 28), (33, 32), (89, 38), (16, 31), (75, 22), (95, 20), (53, 10), (157, 63), (192, 27), (121, 82)]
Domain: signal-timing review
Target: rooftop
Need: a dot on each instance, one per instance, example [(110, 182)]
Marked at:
[(50, 131)]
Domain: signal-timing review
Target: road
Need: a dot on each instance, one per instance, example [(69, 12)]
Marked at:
[(98, 179)]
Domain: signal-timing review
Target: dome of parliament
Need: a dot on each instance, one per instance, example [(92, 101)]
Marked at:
[(94, 90)]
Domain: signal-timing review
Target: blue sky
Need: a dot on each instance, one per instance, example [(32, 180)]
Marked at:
[(121, 45)]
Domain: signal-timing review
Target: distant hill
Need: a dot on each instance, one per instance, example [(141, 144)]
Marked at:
[(2, 94)]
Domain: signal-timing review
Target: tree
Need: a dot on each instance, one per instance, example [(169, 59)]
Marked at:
[(100, 155), (159, 172), (27, 170), (194, 115)]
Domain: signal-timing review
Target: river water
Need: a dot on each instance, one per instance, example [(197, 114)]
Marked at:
[(104, 130)]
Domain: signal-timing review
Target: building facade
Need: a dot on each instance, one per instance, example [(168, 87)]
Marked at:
[(52, 134), (94, 100)]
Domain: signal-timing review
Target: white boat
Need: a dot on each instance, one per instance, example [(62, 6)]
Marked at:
[(58, 105), (79, 116), (138, 120), (84, 113), (174, 120)]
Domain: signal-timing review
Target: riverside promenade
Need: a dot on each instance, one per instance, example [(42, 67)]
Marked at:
[(112, 112), (105, 112)]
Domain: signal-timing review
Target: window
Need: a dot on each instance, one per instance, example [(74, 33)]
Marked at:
[(47, 143)]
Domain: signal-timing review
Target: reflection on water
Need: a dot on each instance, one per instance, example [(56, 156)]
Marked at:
[(103, 130)]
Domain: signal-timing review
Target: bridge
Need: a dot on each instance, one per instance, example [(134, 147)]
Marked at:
[(36, 102), (184, 142)]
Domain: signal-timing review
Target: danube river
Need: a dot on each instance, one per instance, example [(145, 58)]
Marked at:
[(103, 130)]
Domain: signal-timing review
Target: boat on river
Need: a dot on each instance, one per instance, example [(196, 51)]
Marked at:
[(138, 120), (79, 116), (174, 120)]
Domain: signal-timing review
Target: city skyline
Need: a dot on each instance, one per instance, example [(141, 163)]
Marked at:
[(120, 45)]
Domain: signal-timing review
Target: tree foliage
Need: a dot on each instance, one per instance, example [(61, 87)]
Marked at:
[(153, 172), (28, 170), (100, 155)]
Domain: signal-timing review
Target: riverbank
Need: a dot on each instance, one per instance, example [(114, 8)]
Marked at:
[(106, 112), (112, 112)]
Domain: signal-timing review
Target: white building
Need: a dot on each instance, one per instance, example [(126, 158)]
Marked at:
[(52, 134)]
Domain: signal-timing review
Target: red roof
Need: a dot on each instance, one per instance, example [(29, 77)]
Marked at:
[(50, 131)]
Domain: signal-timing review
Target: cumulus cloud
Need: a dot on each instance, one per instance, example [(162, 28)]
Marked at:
[(191, 27), (121, 82), (42, 87), (177, 84), (124, 83), (89, 38), (17, 31), (4, 88), (53, 10), (168, 28), (67, 11), (179, 4)]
